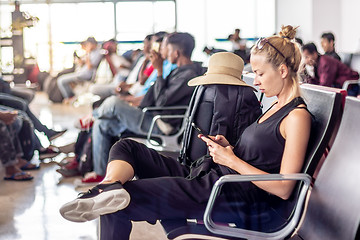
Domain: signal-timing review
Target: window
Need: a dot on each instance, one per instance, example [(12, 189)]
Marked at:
[(62, 25)]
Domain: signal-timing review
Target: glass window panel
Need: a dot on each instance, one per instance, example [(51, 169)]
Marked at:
[(80, 21), (266, 18), (36, 38), (5, 19), (162, 21), (135, 20), (75, 22), (6, 54)]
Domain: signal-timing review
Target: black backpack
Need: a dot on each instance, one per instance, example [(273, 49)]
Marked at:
[(51, 88), (4, 86), (26, 137), (83, 152), (217, 109)]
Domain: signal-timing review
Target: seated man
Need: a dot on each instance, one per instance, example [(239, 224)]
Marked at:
[(121, 79), (116, 62), (328, 71), (114, 116), (85, 73), (136, 95), (328, 45)]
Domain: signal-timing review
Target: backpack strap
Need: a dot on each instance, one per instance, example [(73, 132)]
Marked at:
[(194, 103)]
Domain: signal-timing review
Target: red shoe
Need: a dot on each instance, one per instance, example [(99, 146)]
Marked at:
[(93, 179), (71, 165), (85, 123), (66, 160), (89, 179)]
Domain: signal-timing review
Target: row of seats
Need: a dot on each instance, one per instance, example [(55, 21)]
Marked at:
[(333, 194)]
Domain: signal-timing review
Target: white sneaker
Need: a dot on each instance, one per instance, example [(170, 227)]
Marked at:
[(100, 200)]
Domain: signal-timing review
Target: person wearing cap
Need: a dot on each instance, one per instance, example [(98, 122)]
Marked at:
[(165, 189), (85, 73)]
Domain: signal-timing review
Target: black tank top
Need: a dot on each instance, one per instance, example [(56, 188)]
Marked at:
[(262, 144)]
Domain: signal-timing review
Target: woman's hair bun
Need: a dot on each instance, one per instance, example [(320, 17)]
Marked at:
[(288, 32)]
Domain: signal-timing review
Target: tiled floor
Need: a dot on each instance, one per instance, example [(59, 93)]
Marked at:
[(29, 210)]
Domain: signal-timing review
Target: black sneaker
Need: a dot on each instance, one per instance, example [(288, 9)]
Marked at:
[(100, 200), (49, 152)]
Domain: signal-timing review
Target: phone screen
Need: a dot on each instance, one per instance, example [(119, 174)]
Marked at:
[(155, 46), (199, 130)]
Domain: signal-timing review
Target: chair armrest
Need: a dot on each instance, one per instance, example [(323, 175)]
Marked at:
[(250, 234), (148, 109), (350, 82), (157, 117)]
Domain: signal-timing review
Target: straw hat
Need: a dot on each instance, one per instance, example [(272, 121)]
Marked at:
[(224, 68)]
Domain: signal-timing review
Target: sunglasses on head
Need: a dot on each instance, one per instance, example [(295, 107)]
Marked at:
[(261, 43)]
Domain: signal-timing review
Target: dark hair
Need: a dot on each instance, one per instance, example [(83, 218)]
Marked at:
[(91, 40), (160, 36), (109, 41), (148, 37), (206, 48), (310, 47), (299, 41), (329, 36), (183, 41)]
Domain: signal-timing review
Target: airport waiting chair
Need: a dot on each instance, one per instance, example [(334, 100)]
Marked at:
[(170, 143), (333, 208), (326, 108), (355, 62), (353, 86), (345, 58)]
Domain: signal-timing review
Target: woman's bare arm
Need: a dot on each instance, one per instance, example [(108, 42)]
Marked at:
[(295, 128)]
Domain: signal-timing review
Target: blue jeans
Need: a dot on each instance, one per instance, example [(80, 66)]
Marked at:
[(113, 117), (64, 81)]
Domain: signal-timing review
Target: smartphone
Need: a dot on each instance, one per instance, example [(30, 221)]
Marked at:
[(155, 46), (199, 130)]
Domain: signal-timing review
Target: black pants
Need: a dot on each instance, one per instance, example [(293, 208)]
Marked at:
[(161, 191)]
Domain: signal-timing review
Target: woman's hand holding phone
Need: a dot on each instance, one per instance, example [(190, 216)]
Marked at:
[(219, 139), (219, 149)]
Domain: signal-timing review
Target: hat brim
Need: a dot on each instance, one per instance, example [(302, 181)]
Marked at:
[(217, 79)]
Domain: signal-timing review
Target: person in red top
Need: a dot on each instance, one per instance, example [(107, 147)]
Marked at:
[(328, 71)]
